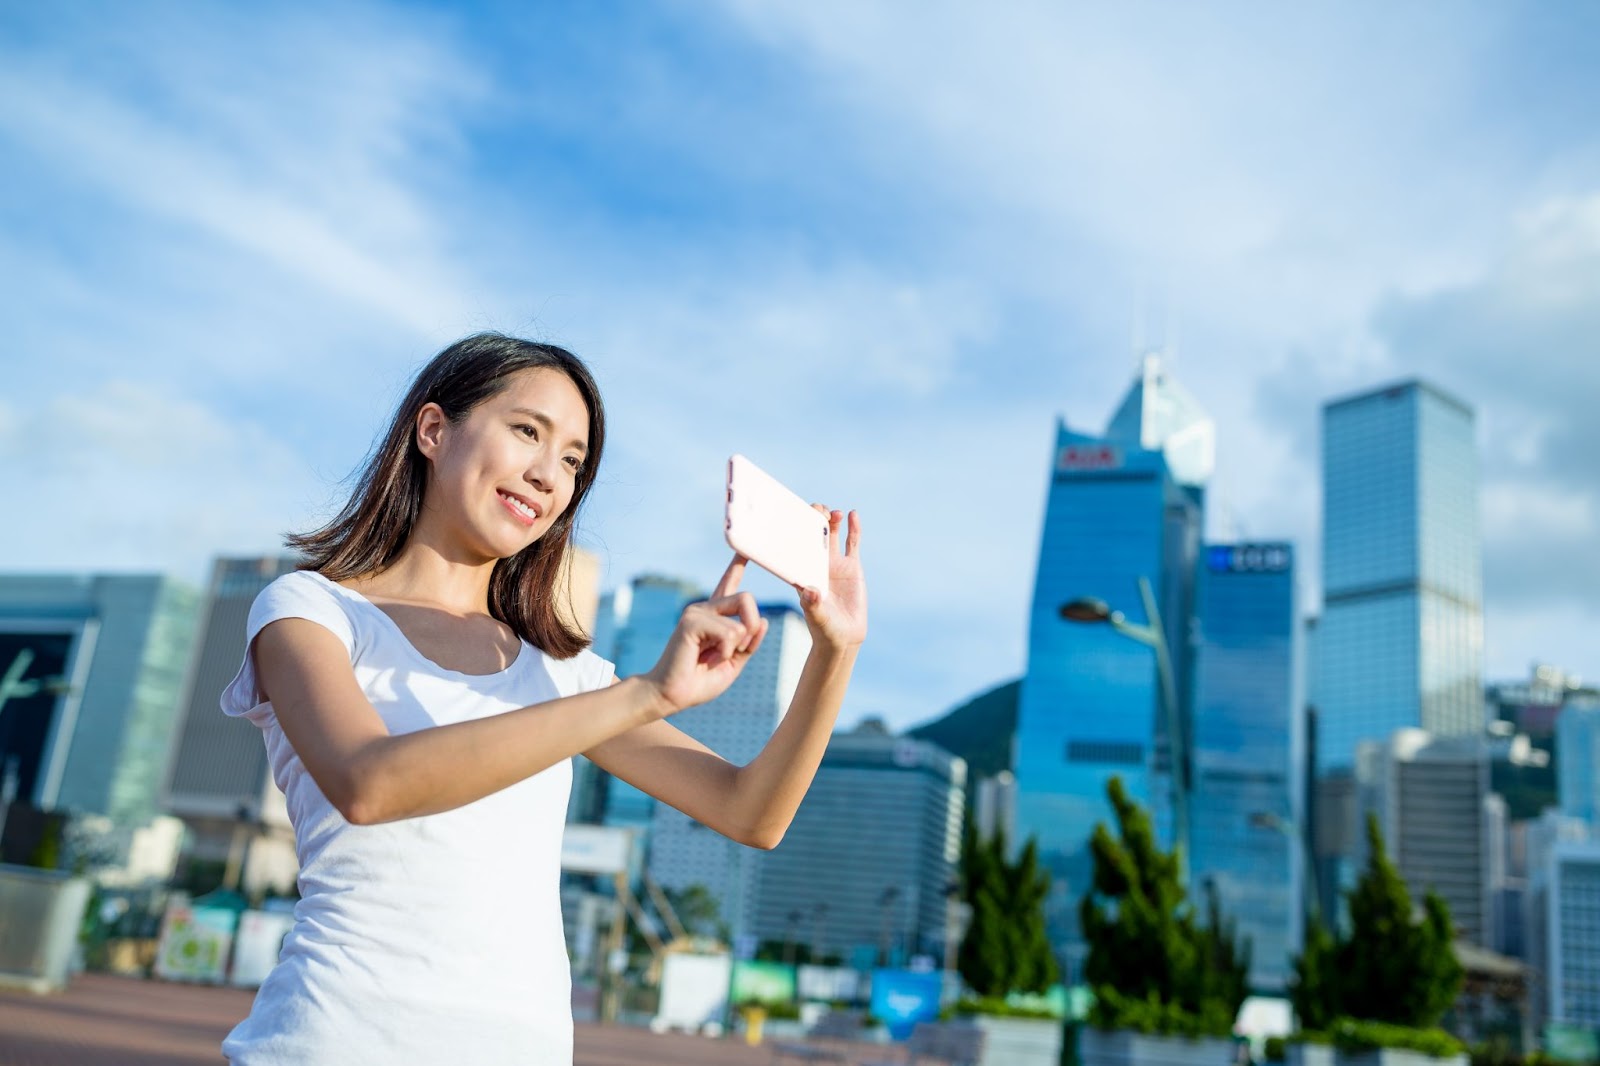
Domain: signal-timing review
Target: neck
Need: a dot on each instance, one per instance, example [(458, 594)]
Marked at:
[(424, 573)]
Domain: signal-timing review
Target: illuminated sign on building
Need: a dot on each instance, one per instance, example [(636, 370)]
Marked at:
[(1249, 558), (1082, 457)]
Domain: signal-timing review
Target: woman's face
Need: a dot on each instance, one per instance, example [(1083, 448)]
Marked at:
[(508, 470)]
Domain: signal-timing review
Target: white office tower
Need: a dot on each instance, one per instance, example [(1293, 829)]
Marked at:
[(1564, 932), (735, 725), (1431, 795), (864, 871)]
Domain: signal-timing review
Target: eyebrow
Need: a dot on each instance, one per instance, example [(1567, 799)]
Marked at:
[(544, 420)]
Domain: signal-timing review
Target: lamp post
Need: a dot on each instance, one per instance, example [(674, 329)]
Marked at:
[(1090, 609), (886, 901), (1272, 820)]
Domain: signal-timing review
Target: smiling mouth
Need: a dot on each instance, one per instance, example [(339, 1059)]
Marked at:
[(526, 512)]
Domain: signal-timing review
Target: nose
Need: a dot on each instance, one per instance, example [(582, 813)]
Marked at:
[(541, 471)]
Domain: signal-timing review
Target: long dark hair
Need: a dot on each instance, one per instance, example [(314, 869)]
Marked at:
[(375, 523)]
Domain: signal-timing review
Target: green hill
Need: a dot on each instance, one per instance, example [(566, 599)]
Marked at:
[(979, 730)]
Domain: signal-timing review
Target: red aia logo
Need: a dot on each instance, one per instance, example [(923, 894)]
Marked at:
[(1089, 457)]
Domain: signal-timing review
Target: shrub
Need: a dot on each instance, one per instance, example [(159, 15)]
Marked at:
[(1355, 1036), (998, 1008)]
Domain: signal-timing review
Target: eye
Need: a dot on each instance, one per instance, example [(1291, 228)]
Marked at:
[(526, 430), (574, 463)]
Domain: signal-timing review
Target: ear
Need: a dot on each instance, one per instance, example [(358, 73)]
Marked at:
[(430, 429)]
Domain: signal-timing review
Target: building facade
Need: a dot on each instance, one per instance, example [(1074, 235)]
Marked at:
[(1400, 639), (735, 725), (1249, 750), (1123, 514), (92, 667), (898, 803), (1444, 828), (1577, 748), (642, 625), (219, 782), (1567, 894)]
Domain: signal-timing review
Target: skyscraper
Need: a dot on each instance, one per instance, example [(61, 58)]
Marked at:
[(653, 609), (1577, 748), (1440, 821), (1249, 749), (1122, 508), (898, 801), (1401, 635)]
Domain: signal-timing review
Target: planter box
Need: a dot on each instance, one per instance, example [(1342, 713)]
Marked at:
[(1018, 1041), (1311, 1055), (41, 912), (1125, 1048), (1395, 1057)]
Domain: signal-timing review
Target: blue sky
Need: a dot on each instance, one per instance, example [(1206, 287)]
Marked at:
[(878, 248)]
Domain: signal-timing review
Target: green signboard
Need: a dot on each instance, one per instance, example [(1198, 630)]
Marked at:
[(763, 982)]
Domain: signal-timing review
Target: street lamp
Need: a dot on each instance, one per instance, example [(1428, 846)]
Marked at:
[(1272, 820), (1091, 609), (886, 900)]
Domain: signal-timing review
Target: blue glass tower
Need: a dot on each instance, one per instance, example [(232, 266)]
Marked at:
[(652, 614), (1249, 750), (1400, 643), (1122, 507)]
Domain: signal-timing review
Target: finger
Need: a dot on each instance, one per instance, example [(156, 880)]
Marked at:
[(809, 595), (755, 641), (730, 578), (720, 639), (852, 540), (741, 605), (835, 520)]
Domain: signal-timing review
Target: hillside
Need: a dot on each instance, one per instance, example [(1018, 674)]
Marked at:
[(979, 730)]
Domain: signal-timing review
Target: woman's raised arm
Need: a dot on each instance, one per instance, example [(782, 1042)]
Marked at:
[(371, 776)]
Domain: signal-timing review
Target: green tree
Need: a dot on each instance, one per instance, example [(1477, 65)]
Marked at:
[(1148, 955), (1006, 948), (1393, 966), (1314, 990)]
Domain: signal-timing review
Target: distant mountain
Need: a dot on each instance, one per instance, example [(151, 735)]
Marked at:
[(979, 730)]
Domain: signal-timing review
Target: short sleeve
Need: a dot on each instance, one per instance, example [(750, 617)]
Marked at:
[(584, 672), (301, 594), (596, 672)]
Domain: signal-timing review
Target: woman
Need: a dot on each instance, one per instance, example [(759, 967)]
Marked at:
[(420, 697)]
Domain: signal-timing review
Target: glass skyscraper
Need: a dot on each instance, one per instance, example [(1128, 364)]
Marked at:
[(1120, 508), (1577, 749), (652, 615), (1249, 750), (1400, 642)]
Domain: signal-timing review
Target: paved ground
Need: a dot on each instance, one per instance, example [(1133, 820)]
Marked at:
[(123, 1021)]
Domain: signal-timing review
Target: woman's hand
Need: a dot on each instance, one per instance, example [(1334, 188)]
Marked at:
[(710, 646), (839, 619)]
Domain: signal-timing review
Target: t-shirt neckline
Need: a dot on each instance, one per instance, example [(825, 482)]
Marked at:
[(522, 645)]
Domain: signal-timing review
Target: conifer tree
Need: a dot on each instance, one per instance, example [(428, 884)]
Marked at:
[(1146, 946), (1391, 967), (1006, 948)]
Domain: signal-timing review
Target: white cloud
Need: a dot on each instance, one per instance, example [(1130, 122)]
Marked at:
[(122, 476)]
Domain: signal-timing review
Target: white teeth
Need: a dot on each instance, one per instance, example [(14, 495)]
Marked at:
[(519, 505)]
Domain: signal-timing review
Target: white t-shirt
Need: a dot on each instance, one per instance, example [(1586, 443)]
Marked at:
[(428, 940)]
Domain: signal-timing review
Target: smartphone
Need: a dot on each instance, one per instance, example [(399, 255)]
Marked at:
[(774, 528)]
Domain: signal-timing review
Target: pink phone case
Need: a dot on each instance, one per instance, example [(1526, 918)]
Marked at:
[(774, 528)]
